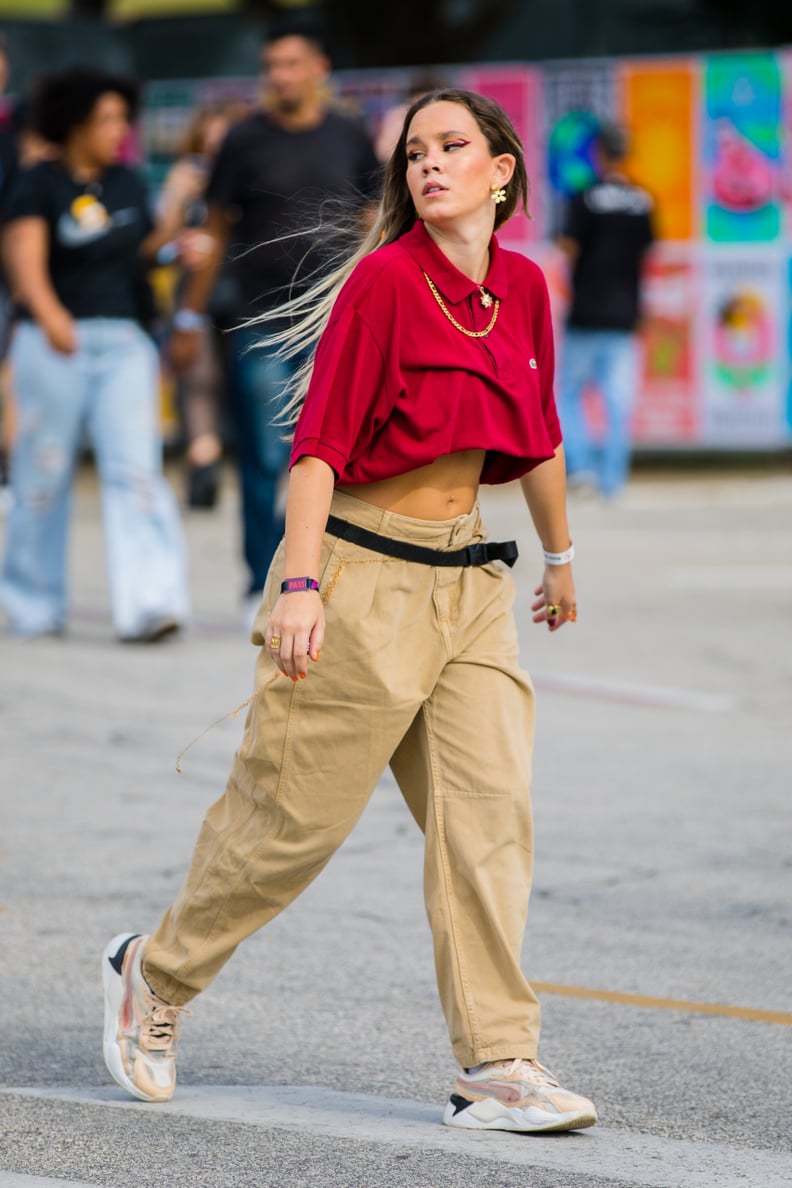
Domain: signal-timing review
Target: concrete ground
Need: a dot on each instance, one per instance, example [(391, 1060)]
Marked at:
[(663, 887)]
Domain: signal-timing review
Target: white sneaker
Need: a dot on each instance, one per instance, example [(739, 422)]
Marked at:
[(140, 1029), (516, 1095)]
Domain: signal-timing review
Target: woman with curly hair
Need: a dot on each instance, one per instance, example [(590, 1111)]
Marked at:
[(78, 236)]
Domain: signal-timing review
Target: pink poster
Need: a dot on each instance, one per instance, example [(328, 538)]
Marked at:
[(668, 411), (518, 90)]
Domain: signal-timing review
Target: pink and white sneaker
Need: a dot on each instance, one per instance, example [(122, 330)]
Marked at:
[(517, 1095), (140, 1029)]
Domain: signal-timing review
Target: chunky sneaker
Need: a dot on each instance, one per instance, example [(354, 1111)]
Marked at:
[(140, 1030), (516, 1095)]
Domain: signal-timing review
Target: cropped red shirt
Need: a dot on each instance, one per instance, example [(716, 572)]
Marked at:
[(395, 385)]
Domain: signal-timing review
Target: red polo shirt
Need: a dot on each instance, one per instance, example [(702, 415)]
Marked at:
[(395, 385)]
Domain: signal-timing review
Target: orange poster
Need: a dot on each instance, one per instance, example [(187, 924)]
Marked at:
[(658, 107)]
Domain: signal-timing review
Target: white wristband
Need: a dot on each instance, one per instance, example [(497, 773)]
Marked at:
[(559, 558), (189, 319)]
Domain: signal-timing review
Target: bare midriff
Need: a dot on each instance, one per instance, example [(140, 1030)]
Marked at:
[(440, 491)]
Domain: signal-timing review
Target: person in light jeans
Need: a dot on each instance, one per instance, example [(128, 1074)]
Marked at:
[(273, 182), (78, 232), (607, 231), (109, 387), (608, 359)]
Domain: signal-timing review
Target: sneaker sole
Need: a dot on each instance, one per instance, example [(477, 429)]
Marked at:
[(113, 998), (492, 1115)]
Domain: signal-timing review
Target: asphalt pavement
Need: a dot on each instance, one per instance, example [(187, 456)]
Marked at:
[(660, 930)]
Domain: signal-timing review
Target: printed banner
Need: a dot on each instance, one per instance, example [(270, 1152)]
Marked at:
[(668, 409), (707, 137), (742, 362), (788, 425), (576, 98), (741, 148), (657, 103)]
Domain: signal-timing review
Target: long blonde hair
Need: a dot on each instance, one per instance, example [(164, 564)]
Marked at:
[(309, 312)]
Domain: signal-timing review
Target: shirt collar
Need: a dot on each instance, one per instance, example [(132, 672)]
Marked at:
[(452, 283)]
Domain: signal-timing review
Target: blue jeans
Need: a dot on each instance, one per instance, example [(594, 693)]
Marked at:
[(258, 379), (109, 387), (608, 359)]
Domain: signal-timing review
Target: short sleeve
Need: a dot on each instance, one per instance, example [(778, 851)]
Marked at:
[(577, 220), (347, 399), (369, 172), (545, 357), (143, 201), (649, 226), (224, 188), (29, 196)]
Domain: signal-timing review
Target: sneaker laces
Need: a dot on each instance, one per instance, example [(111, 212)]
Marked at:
[(159, 1029), (532, 1071)]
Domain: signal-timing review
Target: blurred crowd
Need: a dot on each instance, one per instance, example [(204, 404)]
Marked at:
[(110, 296)]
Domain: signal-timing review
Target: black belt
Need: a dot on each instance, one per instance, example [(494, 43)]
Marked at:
[(475, 554)]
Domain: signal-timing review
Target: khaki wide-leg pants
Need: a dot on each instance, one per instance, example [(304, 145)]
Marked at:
[(419, 670)]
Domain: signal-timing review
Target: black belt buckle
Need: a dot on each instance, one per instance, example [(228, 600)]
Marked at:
[(477, 554)]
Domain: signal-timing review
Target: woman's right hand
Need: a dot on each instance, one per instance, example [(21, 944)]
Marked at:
[(298, 621), (60, 331)]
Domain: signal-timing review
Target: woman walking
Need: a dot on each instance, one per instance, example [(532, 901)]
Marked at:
[(433, 373), (79, 230)]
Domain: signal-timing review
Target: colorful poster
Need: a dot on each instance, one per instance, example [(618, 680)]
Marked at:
[(572, 153), (741, 148), (577, 96), (785, 64), (742, 362), (518, 89), (710, 139), (668, 410), (788, 424), (657, 102)]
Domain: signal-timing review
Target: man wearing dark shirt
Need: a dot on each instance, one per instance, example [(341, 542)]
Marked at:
[(274, 179), (607, 231)]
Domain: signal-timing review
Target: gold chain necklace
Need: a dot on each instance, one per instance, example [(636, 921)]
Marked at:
[(452, 319)]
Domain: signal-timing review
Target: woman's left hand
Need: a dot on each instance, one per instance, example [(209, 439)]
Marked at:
[(555, 602)]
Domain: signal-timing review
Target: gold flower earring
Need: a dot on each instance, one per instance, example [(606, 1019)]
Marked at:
[(498, 194)]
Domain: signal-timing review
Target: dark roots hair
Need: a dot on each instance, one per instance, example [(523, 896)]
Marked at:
[(500, 136), (310, 311), (64, 101)]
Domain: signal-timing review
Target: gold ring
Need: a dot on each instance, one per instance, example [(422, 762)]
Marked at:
[(275, 642), (552, 610)]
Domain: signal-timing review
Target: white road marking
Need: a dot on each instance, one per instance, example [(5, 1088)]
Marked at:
[(641, 1160), (730, 579), (654, 696), (17, 1180)]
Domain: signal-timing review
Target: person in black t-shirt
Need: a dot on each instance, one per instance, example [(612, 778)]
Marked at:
[(607, 231), (274, 174), (78, 230)]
